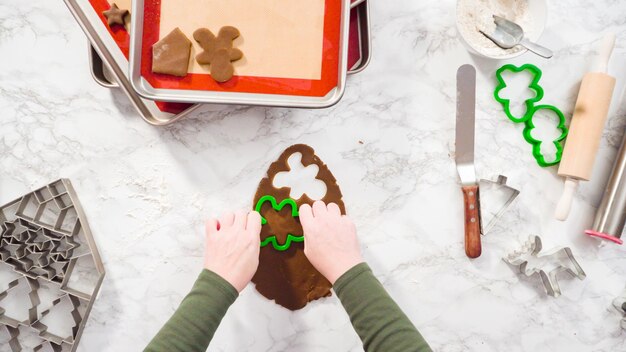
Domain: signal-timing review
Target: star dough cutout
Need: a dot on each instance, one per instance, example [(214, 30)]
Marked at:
[(115, 15)]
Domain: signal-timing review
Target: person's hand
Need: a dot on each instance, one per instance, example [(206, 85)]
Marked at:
[(232, 247), (330, 241)]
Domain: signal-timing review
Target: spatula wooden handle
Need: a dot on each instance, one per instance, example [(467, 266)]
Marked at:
[(471, 199)]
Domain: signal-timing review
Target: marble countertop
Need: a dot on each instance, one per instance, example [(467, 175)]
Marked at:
[(390, 144)]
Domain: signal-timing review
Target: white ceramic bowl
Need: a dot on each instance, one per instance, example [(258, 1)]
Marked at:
[(538, 12)]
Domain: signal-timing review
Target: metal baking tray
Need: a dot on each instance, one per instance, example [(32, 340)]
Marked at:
[(103, 76), (145, 89), (115, 65), (360, 9)]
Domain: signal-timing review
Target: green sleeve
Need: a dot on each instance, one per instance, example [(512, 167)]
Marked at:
[(192, 326), (380, 323)]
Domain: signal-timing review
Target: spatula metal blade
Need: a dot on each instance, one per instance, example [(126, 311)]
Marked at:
[(465, 123)]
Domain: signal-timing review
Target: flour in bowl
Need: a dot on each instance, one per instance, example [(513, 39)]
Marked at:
[(476, 15)]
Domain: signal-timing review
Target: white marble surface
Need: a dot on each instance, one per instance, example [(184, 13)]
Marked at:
[(147, 190)]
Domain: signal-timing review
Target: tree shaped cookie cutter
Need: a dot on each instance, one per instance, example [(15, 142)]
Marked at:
[(532, 108), (530, 251), (32, 298), (44, 238)]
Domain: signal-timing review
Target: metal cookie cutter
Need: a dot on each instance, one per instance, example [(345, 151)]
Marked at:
[(498, 193), (547, 265), (47, 247), (620, 304)]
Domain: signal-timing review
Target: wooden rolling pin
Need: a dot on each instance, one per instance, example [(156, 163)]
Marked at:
[(585, 131)]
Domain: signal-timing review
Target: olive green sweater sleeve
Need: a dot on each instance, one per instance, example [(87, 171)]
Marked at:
[(192, 326), (380, 323)]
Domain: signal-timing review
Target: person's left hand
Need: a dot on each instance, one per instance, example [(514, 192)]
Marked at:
[(233, 246)]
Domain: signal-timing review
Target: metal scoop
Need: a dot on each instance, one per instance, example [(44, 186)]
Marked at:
[(509, 34)]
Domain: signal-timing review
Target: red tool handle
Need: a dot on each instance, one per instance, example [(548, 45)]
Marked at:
[(471, 199)]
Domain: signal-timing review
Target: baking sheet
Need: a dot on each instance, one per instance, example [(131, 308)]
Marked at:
[(358, 47), (305, 84)]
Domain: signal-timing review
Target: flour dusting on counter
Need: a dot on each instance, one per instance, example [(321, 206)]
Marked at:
[(474, 16)]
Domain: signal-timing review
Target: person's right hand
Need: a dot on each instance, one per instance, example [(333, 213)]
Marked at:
[(232, 247), (330, 241)]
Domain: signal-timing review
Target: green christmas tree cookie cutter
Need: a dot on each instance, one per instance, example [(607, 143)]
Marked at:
[(534, 85), (528, 128), (278, 207)]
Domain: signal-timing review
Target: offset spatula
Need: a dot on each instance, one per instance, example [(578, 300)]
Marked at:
[(465, 121)]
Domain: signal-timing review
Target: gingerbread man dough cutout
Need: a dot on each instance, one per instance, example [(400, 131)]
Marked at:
[(218, 51)]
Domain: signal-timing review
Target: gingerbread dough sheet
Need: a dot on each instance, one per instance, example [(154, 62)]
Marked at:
[(279, 38), (287, 276)]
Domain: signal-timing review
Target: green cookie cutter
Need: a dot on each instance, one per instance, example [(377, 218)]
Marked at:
[(529, 126), (534, 85), (278, 207)]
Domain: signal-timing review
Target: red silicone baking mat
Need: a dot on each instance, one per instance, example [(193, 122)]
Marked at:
[(122, 39), (313, 86)]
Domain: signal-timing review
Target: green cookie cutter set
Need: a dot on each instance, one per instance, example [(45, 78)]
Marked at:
[(531, 109), (278, 207)]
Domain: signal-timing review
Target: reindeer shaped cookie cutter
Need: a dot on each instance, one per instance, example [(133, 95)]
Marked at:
[(562, 257)]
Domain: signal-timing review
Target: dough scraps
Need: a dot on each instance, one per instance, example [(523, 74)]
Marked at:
[(115, 15), (218, 51), (170, 55), (287, 276)]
